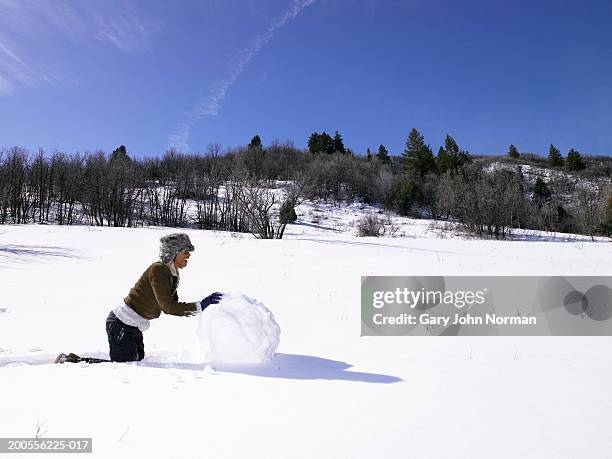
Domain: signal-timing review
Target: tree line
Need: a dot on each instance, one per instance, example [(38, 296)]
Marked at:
[(255, 188), (573, 162)]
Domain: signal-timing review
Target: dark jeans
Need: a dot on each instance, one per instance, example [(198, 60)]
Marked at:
[(125, 341)]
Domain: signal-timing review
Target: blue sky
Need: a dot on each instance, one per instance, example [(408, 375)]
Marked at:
[(86, 75)]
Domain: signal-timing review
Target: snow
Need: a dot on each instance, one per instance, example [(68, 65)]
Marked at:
[(238, 330), (532, 173), (328, 392)]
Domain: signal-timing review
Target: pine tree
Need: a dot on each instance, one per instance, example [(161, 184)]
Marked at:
[(255, 143), (408, 197), (383, 154), (327, 143), (451, 146), (565, 220), (457, 157), (554, 156), (320, 143), (287, 213), (541, 193), (513, 152), (443, 161), (120, 154), (314, 143), (451, 158), (369, 154), (338, 143), (418, 159), (574, 161)]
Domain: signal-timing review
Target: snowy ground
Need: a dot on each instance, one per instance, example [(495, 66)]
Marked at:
[(329, 392)]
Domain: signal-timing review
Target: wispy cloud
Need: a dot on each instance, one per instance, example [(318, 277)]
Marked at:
[(124, 31), (24, 23), (210, 105), (15, 72)]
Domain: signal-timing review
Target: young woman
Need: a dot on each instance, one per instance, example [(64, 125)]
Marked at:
[(154, 292)]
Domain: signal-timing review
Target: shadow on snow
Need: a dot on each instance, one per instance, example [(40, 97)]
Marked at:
[(26, 253), (290, 366), (283, 366)]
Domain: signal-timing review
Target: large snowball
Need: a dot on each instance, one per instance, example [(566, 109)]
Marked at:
[(238, 330)]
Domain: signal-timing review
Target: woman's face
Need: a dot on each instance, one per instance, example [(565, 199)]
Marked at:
[(180, 261)]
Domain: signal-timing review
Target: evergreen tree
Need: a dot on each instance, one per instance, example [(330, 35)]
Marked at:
[(574, 161), (320, 143), (451, 146), (120, 154), (451, 158), (513, 152), (383, 154), (462, 158), (255, 143), (408, 197), (327, 142), (287, 213), (554, 156), (565, 221), (418, 159), (443, 161), (369, 154), (541, 193), (338, 143), (455, 155), (314, 143)]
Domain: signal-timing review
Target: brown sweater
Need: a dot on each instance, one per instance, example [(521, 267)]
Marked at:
[(155, 292)]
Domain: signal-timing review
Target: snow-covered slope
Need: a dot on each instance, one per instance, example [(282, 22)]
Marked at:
[(329, 392)]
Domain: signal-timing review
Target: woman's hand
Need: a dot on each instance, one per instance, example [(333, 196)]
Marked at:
[(213, 298)]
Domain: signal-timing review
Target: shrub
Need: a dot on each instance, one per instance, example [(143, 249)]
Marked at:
[(370, 226)]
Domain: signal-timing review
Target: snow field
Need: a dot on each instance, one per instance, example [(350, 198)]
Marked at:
[(328, 392)]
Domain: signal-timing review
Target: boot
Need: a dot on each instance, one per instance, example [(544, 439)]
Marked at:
[(70, 358)]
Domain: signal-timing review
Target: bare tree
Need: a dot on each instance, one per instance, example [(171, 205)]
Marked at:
[(486, 203), (589, 209), (261, 204)]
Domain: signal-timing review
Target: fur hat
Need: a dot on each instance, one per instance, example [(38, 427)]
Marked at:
[(172, 244)]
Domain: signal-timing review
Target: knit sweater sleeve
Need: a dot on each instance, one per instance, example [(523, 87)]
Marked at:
[(161, 282)]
